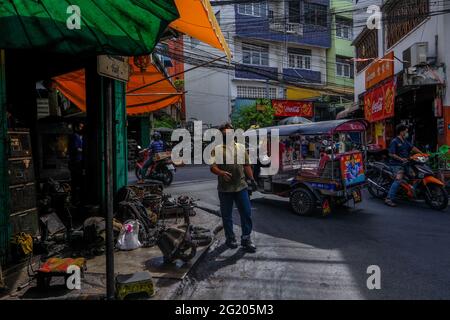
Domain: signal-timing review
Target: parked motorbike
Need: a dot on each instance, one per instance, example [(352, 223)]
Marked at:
[(419, 182), (162, 169)]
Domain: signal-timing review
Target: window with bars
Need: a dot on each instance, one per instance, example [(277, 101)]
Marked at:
[(255, 9), (402, 16), (344, 28), (255, 92), (366, 48), (255, 55)]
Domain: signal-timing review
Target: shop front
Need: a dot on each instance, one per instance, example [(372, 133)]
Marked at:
[(379, 105), (419, 104), (379, 100)]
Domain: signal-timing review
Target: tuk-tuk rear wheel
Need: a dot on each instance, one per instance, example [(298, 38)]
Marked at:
[(303, 202)]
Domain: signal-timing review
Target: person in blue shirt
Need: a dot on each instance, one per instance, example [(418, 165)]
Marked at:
[(155, 146), (399, 152)]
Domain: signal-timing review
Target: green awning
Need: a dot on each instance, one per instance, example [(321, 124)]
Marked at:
[(116, 27)]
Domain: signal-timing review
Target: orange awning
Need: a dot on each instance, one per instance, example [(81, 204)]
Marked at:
[(160, 94), (197, 19)]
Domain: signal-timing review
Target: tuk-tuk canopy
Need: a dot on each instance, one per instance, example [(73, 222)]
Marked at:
[(317, 128)]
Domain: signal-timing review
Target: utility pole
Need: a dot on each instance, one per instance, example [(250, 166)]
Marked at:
[(109, 189)]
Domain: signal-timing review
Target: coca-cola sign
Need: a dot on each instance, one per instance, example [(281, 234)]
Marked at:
[(379, 102), (292, 108)]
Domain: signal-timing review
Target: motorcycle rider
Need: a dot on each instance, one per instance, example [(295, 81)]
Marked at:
[(155, 146), (399, 151)]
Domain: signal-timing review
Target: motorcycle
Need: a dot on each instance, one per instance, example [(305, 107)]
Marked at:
[(162, 169), (419, 182)]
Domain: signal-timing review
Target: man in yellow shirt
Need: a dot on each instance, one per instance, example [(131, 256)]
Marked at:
[(232, 187)]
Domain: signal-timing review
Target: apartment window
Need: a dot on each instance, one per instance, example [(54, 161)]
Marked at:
[(343, 70), (255, 55), (299, 58), (344, 67), (316, 14), (294, 11), (344, 28), (251, 9), (255, 92)]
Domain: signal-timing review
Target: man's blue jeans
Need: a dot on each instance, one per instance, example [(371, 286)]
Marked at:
[(242, 201), (396, 184), (145, 167)]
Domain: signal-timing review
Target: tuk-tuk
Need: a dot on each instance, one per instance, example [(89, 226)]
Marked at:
[(321, 164)]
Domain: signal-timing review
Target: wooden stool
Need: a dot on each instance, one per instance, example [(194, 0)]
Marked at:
[(138, 282)]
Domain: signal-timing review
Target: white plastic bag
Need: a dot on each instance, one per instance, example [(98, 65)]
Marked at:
[(129, 236)]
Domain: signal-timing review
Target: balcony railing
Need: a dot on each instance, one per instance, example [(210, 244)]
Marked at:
[(289, 27)]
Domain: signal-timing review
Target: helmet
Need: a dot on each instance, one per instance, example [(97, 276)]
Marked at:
[(156, 135)]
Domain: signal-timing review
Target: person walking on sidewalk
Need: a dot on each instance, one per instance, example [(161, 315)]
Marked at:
[(232, 187)]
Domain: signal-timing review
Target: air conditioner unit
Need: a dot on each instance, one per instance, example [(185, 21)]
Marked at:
[(416, 55)]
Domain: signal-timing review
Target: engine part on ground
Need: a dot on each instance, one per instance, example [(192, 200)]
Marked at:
[(135, 283), (176, 243), (141, 190), (153, 202), (168, 200), (127, 194), (185, 201), (94, 233), (201, 236), (172, 208)]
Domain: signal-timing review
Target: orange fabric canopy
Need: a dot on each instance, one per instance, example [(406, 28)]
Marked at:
[(197, 19), (160, 94)]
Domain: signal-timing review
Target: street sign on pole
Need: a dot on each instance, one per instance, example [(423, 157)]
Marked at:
[(114, 67)]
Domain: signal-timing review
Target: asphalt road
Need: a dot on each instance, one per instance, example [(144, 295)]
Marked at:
[(324, 258)]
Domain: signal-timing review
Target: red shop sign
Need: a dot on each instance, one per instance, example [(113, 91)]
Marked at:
[(379, 102), (292, 108)]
